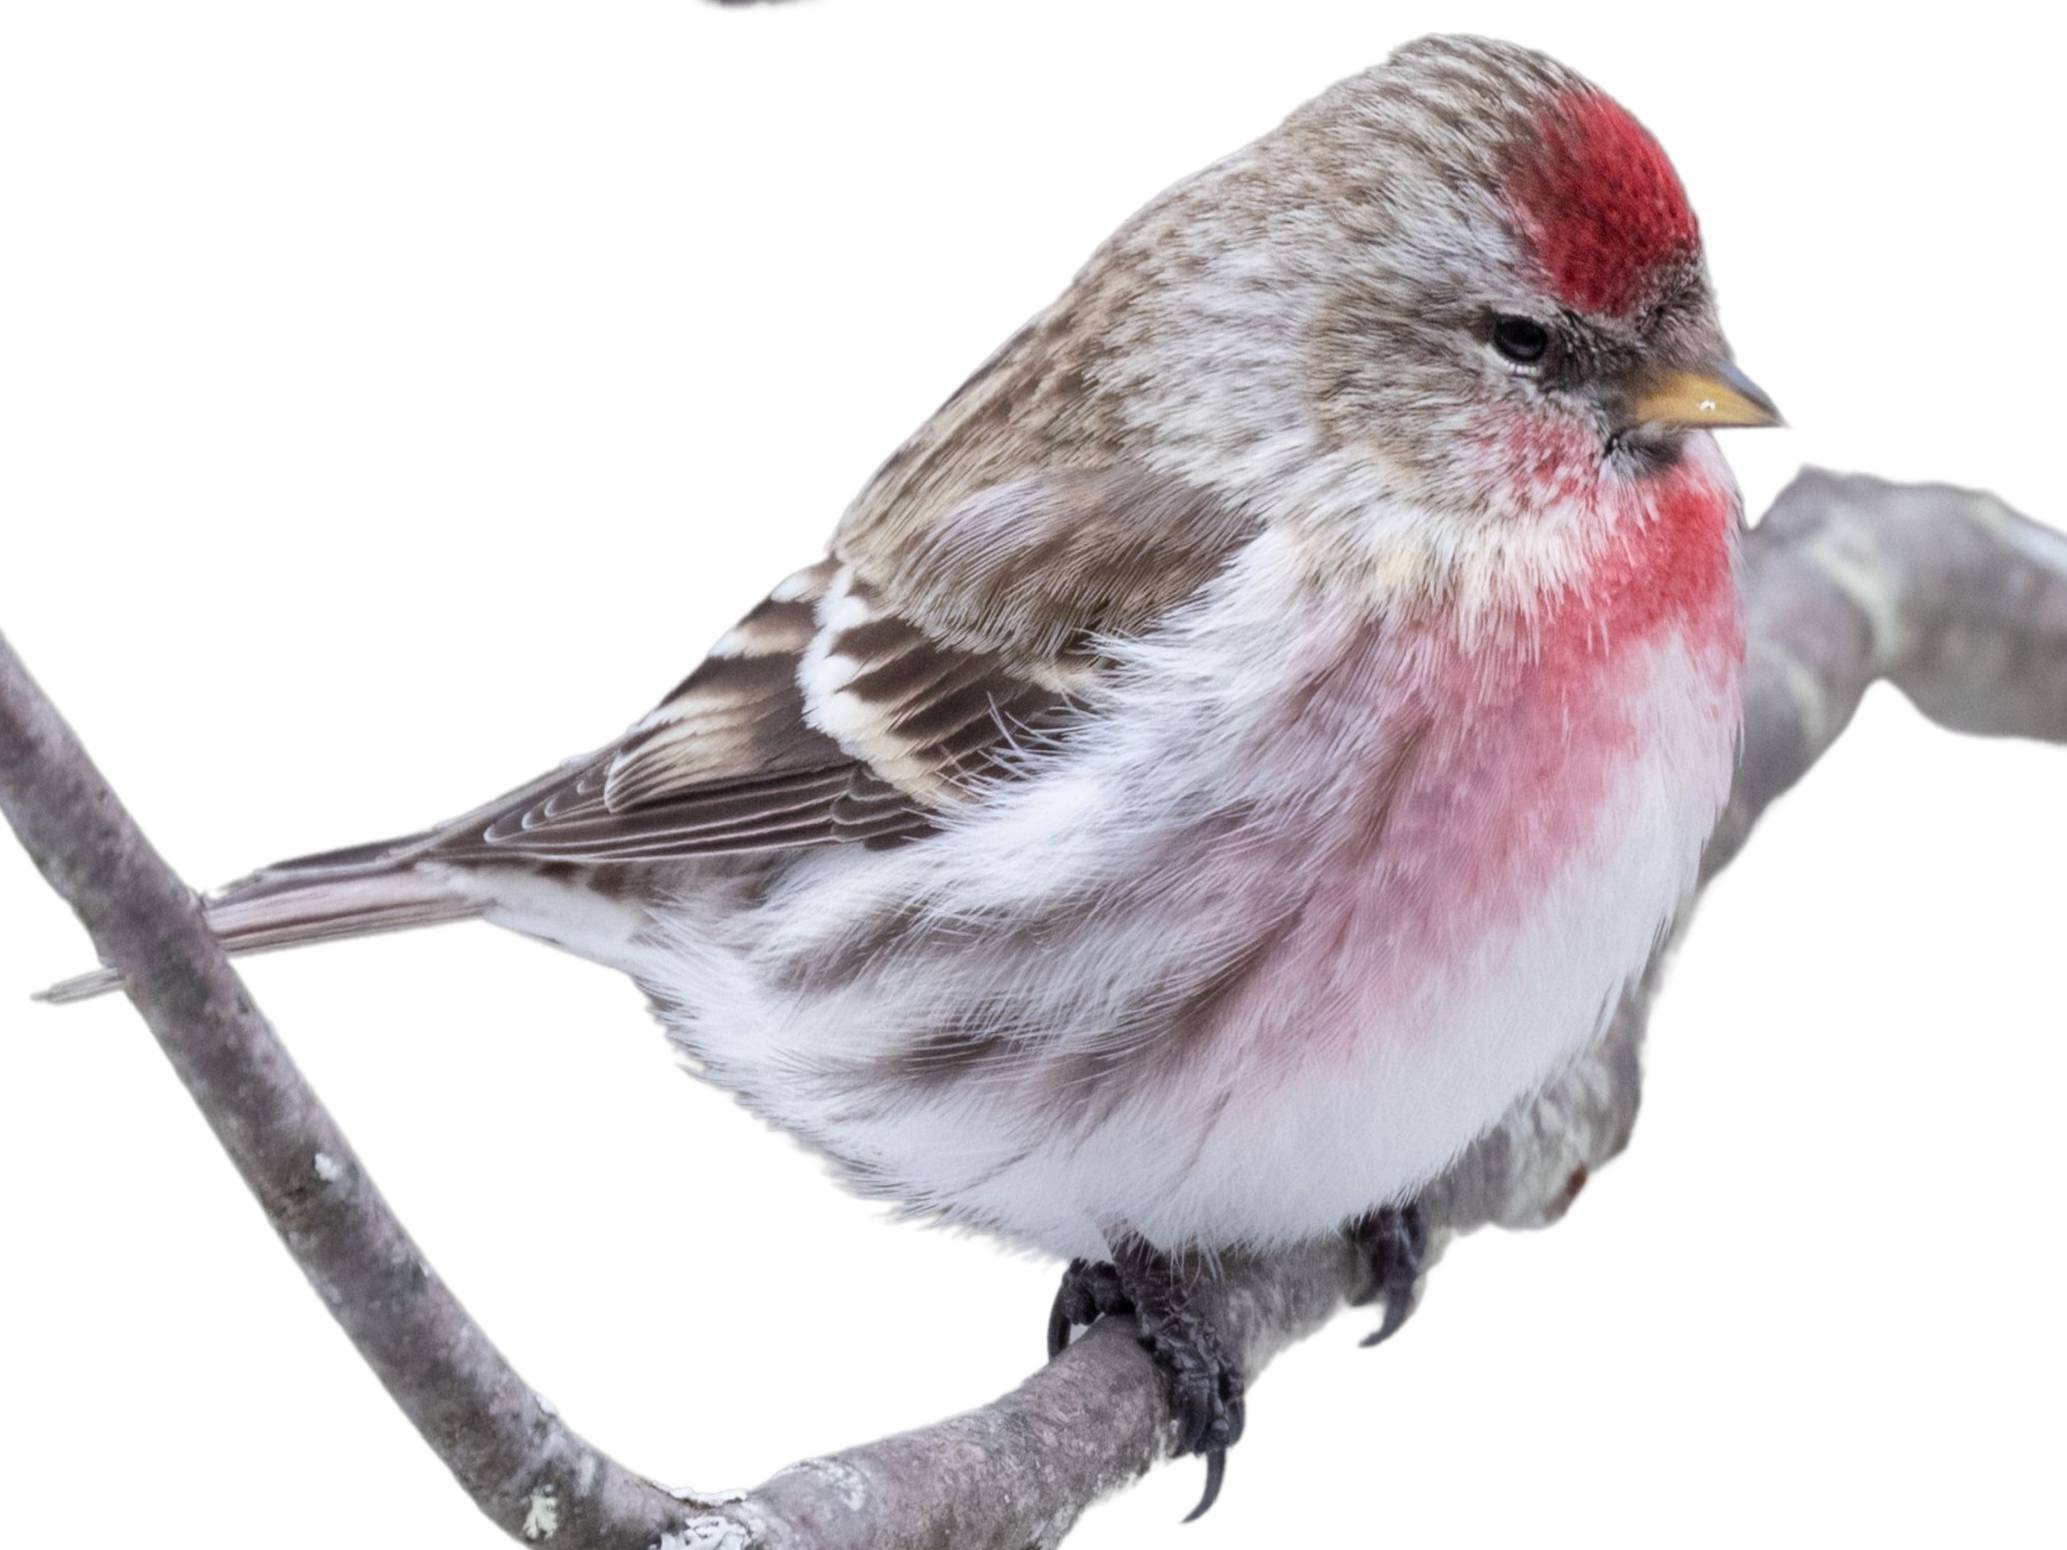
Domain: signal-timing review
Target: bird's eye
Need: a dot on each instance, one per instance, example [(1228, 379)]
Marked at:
[(1521, 340)]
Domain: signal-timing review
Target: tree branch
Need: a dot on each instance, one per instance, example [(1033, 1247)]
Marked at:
[(1950, 595)]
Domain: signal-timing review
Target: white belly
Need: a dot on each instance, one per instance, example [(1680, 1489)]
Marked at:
[(1093, 1006)]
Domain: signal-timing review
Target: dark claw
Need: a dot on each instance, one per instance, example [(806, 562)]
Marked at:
[(1397, 1311), (1394, 1245), (1204, 1386), (1059, 1321), (1216, 1471)]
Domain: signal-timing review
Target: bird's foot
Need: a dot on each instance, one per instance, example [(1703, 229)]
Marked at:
[(1205, 1385), (1393, 1244)]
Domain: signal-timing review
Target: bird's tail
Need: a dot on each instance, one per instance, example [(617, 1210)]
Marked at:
[(341, 893)]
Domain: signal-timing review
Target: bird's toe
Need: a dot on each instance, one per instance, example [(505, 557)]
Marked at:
[(1393, 1243)]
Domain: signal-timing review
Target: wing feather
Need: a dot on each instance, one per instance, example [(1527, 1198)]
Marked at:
[(844, 710)]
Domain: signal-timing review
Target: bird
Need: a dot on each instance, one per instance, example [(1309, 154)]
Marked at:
[(1237, 749)]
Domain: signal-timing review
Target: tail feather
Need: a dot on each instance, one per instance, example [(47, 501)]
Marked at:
[(358, 892)]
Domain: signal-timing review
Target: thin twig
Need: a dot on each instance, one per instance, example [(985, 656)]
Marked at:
[(1950, 595)]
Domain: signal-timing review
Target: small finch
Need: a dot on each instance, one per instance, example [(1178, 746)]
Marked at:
[(1236, 750)]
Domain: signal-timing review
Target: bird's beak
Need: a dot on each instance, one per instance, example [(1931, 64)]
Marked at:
[(1710, 395)]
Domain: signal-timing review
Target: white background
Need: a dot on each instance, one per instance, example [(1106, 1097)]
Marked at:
[(395, 398)]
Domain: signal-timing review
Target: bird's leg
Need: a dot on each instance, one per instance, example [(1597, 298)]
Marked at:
[(1393, 1243), (1205, 1386)]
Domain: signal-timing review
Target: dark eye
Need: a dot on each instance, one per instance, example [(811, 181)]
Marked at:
[(1521, 340)]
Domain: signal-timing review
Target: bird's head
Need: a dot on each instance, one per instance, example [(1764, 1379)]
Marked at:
[(1448, 326), (1468, 271)]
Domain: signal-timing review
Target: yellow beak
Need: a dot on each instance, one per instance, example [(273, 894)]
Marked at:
[(1711, 396)]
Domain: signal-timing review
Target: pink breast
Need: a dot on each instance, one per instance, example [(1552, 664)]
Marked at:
[(1519, 750)]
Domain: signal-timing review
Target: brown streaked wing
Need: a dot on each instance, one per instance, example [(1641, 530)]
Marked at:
[(1037, 568), (848, 708), (928, 720), (740, 712), (726, 763)]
